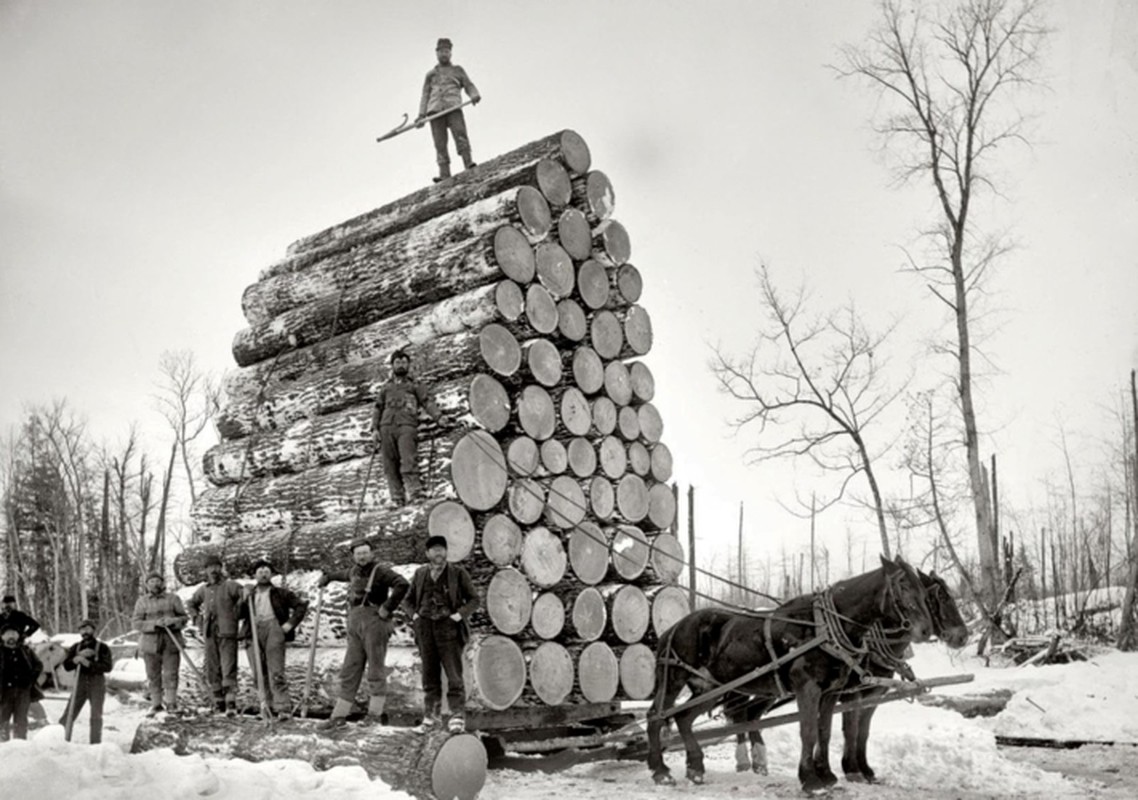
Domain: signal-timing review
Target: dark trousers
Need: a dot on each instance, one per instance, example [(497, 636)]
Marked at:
[(367, 643), (440, 648), (221, 666), (271, 642), (162, 673), (399, 445), (456, 123), (93, 688), (14, 702)]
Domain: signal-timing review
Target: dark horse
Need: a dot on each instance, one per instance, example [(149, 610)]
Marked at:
[(712, 647)]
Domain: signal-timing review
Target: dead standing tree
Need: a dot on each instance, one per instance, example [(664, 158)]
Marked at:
[(812, 387)]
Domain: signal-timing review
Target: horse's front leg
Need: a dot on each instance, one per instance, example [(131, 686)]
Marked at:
[(862, 744), (808, 695), (694, 752), (750, 750), (660, 772), (851, 724), (825, 727)]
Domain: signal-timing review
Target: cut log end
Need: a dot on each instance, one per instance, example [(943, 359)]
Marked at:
[(629, 283), (638, 671), (555, 269), (598, 673), (509, 601), (553, 181), (574, 234), (501, 540), (478, 471), (500, 350), (489, 403), (541, 309), (513, 254), (498, 669), (452, 521), (575, 153), (533, 209)]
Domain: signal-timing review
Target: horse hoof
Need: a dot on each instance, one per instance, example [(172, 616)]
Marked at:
[(760, 769), (695, 777), (664, 779), (742, 767), (856, 777)]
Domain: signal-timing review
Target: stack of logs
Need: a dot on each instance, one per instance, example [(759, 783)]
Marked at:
[(511, 288)]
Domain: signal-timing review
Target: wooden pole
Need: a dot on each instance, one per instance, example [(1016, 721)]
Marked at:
[(813, 558), (691, 546), (741, 568)]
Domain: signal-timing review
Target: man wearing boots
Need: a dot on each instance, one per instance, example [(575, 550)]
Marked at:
[(160, 616), (11, 615), (19, 669), (395, 428), (272, 614), (442, 597), (374, 593), (93, 660), (442, 90), (216, 607)]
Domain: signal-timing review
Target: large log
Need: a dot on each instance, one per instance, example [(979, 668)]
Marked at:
[(551, 673), (501, 540), (589, 552), (511, 300), (565, 504), (638, 330), (525, 499), (547, 619), (572, 324), (604, 416), (590, 614), (651, 424), (639, 459), (576, 412), (642, 381), (582, 457), (478, 471), (628, 423), (554, 457), (618, 384), (661, 463), (523, 456), (632, 501), (574, 235), (554, 268), (588, 370), (598, 672), (543, 361), (593, 194), (629, 611), (611, 245), (629, 283), (495, 672), (594, 285), (536, 414), (543, 557), (629, 552), (637, 671), (509, 601), (500, 349), (661, 506), (602, 497), (613, 457), (606, 334), (541, 309), (666, 556), (669, 606)]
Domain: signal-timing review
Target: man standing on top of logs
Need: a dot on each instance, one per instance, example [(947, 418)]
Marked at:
[(278, 611), (216, 607), (442, 90), (92, 660), (374, 593), (441, 599), (160, 616), (395, 428), (21, 622)]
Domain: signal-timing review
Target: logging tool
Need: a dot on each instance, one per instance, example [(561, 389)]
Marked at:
[(266, 712), (311, 655), (405, 125), (193, 667)]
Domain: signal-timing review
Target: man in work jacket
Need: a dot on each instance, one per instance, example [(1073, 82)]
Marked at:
[(19, 669), (160, 616), (442, 90), (395, 428), (93, 660), (441, 599), (273, 612), (11, 615), (374, 593), (216, 607)]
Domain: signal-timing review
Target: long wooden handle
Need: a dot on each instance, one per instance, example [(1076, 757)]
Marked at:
[(311, 655)]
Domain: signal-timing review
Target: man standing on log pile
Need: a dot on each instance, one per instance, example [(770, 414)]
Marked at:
[(160, 616), (19, 669), (216, 607), (441, 599), (92, 660), (442, 90), (21, 622), (395, 429), (374, 593), (278, 611)]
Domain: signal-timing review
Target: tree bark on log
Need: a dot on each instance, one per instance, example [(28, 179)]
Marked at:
[(574, 234), (593, 194), (642, 382), (628, 612), (501, 540), (543, 557), (547, 619), (589, 553), (611, 245), (551, 672), (637, 671), (598, 673), (495, 672), (509, 601), (478, 471), (590, 614), (554, 269)]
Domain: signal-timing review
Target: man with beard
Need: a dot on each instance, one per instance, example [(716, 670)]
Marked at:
[(160, 616), (442, 90), (93, 660), (216, 607), (19, 669), (374, 593), (395, 428), (10, 615), (441, 599), (272, 614)]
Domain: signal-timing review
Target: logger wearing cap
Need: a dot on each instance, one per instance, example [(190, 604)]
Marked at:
[(21, 622), (442, 90), (19, 669), (91, 660), (160, 616), (441, 600), (216, 606), (276, 612)]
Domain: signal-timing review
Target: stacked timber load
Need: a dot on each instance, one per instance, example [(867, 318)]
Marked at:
[(512, 290)]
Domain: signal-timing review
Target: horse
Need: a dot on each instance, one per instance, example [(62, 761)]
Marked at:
[(809, 645)]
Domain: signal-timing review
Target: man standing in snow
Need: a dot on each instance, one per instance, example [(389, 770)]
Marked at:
[(442, 90), (10, 615), (216, 607), (277, 611), (93, 660), (19, 669), (160, 616)]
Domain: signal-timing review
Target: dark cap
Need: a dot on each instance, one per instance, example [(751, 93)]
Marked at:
[(8, 625), (436, 541), (444, 42), (212, 560), (400, 353), (87, 624), (361, 541), (261, 562), (9, 598), (156, 574)]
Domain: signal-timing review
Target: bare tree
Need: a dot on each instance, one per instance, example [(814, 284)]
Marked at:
[(1128, 631), (812, 386), (948, 84), (188, 400)]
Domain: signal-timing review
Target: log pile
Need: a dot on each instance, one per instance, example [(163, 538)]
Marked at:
[(512, 289)]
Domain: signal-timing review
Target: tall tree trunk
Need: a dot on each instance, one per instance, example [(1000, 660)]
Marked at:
[(1127, 633)]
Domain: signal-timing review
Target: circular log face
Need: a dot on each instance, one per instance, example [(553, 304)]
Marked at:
[(604, 416), (611, 243), (638, 671), (629, 283), (459, 769), (478, 471), (554, 457), (630, 614), (606, 335), (666, 556), (593, 284), (642, 381), (509, 601), (639, 460), (661, 462), (589, 553), (598, 673), (489, 403), (613, 458), (509, 299), (628, 424), (651, 425), (522, 456), (669, 606), (537, 220), (565, 505), (661, 506), (544, 361), (632, 498), (576, 413), (452, 520), (629, 552), (588, 370), (618, 385), (500, 350), (548, 615), (555, 269), (638, 330), (571, 322), (526, 500), (514, 255), (535, 412), (543, 557), (574, 152), (582, 457), (551, 673), (553, 181), (589, 614), (541, 310), (574, 234), (499, 671), (501, 540), (602, 497), (599, 195)]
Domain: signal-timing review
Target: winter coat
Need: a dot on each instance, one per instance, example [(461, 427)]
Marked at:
[(443, 87), (462, 597), (288, 607), (101, 664), (19, 667), (399, 401), (217, 607), (387, 586), (149, 611), (22, 622)]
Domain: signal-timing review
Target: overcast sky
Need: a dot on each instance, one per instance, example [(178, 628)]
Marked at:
[(154, 156)]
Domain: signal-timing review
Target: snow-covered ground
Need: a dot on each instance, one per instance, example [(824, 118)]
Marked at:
[(918, 752)]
